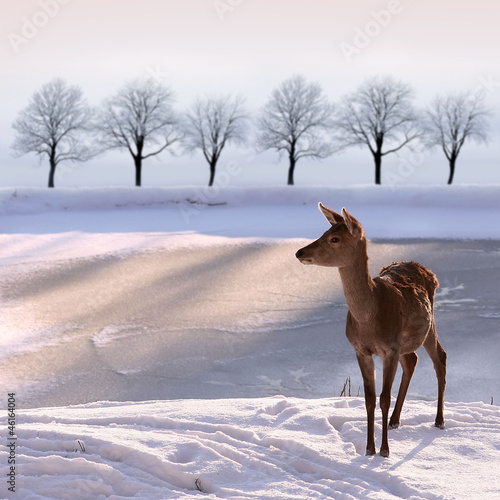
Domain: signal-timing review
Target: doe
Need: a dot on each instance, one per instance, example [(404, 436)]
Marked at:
[(391, 316)]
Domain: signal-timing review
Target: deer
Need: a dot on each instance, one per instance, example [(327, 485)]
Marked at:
[(389, 316)]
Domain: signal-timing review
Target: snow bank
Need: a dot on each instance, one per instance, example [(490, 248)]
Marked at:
[(252, 448), (37, 200), (51, 224)]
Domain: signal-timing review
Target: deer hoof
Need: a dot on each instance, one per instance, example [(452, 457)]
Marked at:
[(384, 453), (370, 452), (393, 425), (439, 425)]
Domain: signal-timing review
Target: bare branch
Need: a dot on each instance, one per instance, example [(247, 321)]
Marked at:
[(55, 124), (212, 123), (297, 120), (140, 118), (453, 119), (379, 115), (139, 115)]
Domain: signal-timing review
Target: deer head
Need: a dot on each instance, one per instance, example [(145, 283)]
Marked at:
[(338, 245)]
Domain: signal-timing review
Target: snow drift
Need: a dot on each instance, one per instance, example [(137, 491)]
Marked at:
[(253, 448), (36, 200)]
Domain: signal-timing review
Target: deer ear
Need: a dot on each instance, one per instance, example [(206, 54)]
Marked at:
[(331, 216), (350, 221)]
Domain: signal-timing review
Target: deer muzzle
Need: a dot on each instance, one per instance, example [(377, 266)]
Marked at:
[(303, 256)]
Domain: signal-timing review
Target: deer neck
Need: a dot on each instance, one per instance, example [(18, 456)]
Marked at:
[(359, 288)]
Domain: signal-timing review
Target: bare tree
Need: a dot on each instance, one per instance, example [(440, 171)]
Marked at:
[(139, 118), (453, 119), (54, 124), (296, 121), (213, 123), (379, 114)]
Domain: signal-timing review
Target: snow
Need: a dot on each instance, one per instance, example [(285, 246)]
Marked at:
[(264, 448), (98, 386), (42, 224)]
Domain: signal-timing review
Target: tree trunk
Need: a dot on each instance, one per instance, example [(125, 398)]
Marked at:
[(212, 173), (378, 167), (52, 172), (138, 170), (452, 169), (291, 170)]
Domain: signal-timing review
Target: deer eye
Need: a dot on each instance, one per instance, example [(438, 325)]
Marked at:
[(334, 239)]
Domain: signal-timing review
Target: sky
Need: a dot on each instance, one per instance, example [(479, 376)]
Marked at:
[(211, 47)]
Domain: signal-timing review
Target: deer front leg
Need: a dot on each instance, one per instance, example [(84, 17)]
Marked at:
[(367, 368), (408, 363), (390, 368)]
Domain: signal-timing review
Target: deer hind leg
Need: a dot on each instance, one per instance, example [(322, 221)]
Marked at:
[(367, 368), (438, 356), (390, 368), (408, 363)]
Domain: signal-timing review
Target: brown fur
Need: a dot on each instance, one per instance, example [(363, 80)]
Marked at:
[(391, 316), (411, 274)]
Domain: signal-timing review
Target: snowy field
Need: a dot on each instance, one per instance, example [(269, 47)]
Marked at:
[(165, 343), (254, 448)]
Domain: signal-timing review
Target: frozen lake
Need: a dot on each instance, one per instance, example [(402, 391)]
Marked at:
[(230, 320)]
